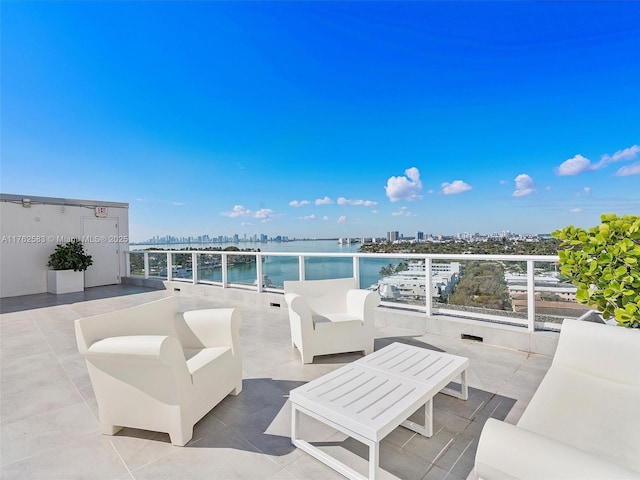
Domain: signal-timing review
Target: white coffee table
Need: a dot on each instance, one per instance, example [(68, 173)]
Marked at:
[(370, 397)]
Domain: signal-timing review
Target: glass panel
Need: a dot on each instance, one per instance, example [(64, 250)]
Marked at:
[(241, 269), (181, 263), (209, 267), (136, 263), (397, 280), (555, 295), (158, 265), (322, 268), (490, 287), (277, 269)]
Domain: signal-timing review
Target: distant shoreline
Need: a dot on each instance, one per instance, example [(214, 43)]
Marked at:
[(234, 243)]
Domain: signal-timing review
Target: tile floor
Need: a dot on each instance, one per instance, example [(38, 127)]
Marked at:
[(48, 412)]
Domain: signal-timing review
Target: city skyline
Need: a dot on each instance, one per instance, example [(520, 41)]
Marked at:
[(326, 119), (389, 236)]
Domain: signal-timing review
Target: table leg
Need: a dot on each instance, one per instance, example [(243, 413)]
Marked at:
[(463, 394), (425, 430), (374, 460), (374, 452)]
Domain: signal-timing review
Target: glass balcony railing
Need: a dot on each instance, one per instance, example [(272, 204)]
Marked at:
[(520, 290)]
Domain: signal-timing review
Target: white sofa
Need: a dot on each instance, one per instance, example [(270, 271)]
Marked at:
[(155, 368), (583, 422), (330, 316)]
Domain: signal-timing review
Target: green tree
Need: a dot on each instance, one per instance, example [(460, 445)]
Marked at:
[(603, 262)]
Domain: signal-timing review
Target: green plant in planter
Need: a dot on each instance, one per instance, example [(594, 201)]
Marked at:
[(70, 256), (604, 263)]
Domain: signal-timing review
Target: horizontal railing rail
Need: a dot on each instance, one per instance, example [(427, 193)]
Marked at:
[(185, 266)]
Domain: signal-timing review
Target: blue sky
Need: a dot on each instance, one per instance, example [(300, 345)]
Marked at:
[(326, 119)]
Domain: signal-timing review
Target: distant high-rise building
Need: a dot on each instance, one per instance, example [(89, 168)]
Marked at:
[(392, 236), (419, 236)]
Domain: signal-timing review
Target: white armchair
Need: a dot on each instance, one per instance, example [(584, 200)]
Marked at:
[(330, 316), (155, 368)]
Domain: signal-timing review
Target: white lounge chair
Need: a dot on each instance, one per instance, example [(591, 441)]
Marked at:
[(330, 316), (155, 368)]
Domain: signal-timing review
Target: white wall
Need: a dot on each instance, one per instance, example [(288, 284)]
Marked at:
[(29, 235)]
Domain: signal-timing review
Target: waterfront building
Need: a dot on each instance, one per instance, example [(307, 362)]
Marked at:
[(410, 284)]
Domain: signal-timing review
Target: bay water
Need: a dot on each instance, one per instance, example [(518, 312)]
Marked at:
[(277, 269)]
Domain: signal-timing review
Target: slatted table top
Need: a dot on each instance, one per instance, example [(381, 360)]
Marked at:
[(372, 396)]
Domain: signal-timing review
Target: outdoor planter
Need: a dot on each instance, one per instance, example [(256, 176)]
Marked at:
[(68, 263), (65, 281)]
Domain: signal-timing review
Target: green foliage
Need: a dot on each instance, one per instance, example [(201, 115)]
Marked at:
[(70, 256), (482, 285), (390, 269), (546, 246), (604, 263)]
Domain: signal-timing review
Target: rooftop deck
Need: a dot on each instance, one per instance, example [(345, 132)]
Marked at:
[(48, 412)]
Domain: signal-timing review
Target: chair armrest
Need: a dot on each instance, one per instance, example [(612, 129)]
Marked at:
[(361, 303), (299, 311), (215, 327), (158, 348), (299, 305), (506, 451)]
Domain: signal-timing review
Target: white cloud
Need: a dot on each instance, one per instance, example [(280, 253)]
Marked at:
[(403, 212), (244, 224), (574, 166), (308, 217), (237, 211), (325, 218), (324, 201), (366, 203), (342, 219), (431, 191), (455, 187), (405, 188), (633, 169), (296, 203), (503, 182), (579, 164), (264, 214), (624, 155), (178, 204), (524, 185), (587, 191), (576, 210)]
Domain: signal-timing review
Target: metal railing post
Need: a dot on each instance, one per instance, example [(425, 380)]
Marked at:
[(194, 267), (259, 272), (223, 270), (356, 270), (428, 286), (531, 297), (127, 263), (146, 264), (169, 267), (301, 272)]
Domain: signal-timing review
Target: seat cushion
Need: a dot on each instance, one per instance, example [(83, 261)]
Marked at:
[(587, 412), (330, 318), (199, 358)]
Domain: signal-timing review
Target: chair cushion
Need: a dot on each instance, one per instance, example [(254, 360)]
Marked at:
[(332, 320), (198, 358), (588, 412)]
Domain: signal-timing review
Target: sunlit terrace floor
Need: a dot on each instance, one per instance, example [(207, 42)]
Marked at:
[(49, 412)]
